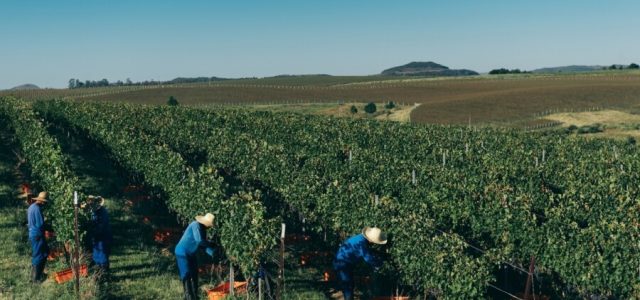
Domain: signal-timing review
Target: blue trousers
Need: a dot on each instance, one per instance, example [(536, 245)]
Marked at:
[(39, 250), (345, 280), (187, 266), (101, 251)]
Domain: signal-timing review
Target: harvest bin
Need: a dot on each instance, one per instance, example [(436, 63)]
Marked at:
[(67, 274), (222, 290), (49, 234), (54, 253), (167, 235)]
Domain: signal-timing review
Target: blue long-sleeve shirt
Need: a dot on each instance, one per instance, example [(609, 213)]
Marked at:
[(192, 239), (35, 221), (353, 250), (101, 226)]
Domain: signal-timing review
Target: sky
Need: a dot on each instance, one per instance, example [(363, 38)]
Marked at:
[(48, 42)]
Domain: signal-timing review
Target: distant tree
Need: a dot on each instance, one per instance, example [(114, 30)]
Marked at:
[(506, 71), (499, 71), (119, 83), (128, 82), (354, 109), (72, 83), (613, 67), (631, 140), (390, 105), (172, 101), (103, 82), (370, 108), (634, 66)]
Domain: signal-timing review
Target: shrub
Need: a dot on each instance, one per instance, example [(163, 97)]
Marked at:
[(370, 108), (631, 140), (172, 101), (595, 128), (390, 105), (354, 109)]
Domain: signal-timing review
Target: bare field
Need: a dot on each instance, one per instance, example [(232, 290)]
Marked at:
[(503, 100)]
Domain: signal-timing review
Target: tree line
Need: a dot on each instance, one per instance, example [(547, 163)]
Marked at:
[(75, 83)]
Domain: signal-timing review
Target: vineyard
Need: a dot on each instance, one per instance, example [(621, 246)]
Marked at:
[(464, 207), (511, 100)]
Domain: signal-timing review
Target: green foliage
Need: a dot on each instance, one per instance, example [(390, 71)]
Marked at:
[(390, 105), (354, 109), (631, 140), (506, 71), (492, 187), (47, 163), (370, 108), (172, 101), (633, 66), (595, 128), (190, 192), (247, 229)]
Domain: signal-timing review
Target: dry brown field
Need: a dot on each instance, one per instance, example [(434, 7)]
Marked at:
[(480, 100)]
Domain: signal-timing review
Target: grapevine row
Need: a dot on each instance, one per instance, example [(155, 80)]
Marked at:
[(243, 225)]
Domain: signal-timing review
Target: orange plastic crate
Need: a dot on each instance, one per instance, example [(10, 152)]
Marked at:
[(222, 290), (67, 274)]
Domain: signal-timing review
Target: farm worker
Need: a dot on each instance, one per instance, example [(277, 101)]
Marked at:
[(101, 234), (193, 238), (354, 250), (39, 247)]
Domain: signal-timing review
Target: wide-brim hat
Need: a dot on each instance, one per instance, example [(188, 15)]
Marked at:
[(206, 220), (374, 235), (42, 196), (96, 200)]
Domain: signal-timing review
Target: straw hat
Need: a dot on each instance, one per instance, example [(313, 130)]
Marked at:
[(96, 200), (41, 197), (206, 220), (375, 235)]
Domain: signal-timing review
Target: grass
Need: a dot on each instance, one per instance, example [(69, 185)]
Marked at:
[(606, 117), (615, 124), (140, 268), (15, 261)]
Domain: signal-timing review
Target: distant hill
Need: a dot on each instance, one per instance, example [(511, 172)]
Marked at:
[(426, 69), (27, 86), (568, 69)]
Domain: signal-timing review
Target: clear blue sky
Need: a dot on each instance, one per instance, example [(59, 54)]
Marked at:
[(47, 42)]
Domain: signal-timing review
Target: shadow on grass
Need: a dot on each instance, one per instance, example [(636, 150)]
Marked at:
[(136, 260)]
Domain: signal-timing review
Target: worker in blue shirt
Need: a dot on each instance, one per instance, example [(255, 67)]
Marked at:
[(354, 250), (39, 247), (194, 237), (101, 234)]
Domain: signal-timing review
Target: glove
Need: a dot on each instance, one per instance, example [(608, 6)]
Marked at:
[(210, 251)]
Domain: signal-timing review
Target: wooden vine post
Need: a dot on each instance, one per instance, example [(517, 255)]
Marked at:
[(76, 254), (232, 280), (281, 264), (527, 287)]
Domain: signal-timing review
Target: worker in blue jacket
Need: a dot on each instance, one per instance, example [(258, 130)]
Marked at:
[(354, 250), (194, 237), (39, 247), (102, 236)]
